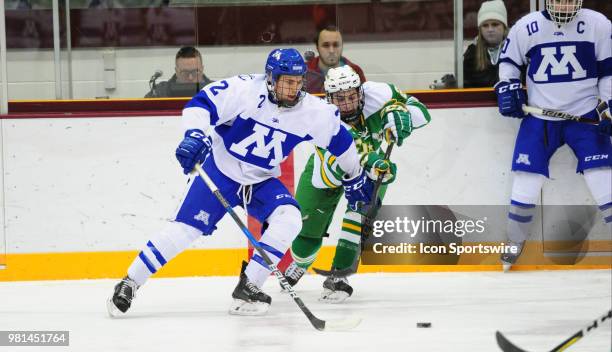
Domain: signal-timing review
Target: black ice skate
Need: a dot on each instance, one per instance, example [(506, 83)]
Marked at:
[(336, 290), (122, 298), (508, 259), (293, 274), (248, 298)]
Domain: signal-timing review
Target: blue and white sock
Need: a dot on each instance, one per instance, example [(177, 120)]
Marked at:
[(520, 217), (165, 245), (600, 183), (284, 224)]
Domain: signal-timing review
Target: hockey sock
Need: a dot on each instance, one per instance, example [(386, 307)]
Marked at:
[(165, 245), (525, 192), (304, 250), (600, 183), (348, 244), (606, 211), (284, 224), (346, 252), (520, 217)]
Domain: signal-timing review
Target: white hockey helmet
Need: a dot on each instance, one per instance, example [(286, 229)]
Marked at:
[(341, 79), (563, 11)]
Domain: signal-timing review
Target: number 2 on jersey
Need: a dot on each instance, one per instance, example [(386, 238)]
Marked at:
[(216, 88)]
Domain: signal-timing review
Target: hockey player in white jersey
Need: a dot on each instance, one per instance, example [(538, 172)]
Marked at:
[(567, 52), (241, 129)]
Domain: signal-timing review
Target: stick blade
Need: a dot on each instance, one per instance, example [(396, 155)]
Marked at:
[(341, 325), (505, 344), (334, 272)]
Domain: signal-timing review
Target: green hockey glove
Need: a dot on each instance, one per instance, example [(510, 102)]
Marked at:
[(374, 164), (397, 123)]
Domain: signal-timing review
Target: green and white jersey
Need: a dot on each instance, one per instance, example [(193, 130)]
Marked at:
[(379, 98)]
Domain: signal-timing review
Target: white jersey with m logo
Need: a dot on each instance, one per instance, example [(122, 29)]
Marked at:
[(568, 67)]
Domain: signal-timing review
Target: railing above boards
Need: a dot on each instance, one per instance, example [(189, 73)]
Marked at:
[(434, 99)]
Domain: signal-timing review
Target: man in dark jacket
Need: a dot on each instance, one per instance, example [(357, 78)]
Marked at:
[(329, 47), (188, 78)]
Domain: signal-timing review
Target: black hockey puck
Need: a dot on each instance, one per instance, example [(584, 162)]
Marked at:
[(423, 325)]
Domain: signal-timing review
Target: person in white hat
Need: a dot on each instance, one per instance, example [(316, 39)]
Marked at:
[(480, 60)]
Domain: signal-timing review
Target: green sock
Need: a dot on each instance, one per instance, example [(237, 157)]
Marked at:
[(304, 250), (346, 252)]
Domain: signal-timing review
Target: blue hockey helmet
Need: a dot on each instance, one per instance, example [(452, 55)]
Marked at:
[(284, 62)]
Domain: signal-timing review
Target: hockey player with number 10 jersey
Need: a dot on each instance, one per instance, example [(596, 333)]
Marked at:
[(567, 52)]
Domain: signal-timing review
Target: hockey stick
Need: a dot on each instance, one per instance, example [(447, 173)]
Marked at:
[(561, 114), (319, 324), (508, 346), (366, 226)]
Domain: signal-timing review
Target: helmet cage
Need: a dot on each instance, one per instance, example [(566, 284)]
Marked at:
[(563, 11), (342, 79), (349, 117)]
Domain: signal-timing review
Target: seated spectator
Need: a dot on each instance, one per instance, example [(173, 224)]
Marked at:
[(480, 60), (187, 80), (329, 47)]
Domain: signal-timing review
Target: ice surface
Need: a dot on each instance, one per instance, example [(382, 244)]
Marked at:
[(535, 310)]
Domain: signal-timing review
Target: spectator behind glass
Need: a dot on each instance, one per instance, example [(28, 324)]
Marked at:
[(480, 60), (188, 78), (329, 47)]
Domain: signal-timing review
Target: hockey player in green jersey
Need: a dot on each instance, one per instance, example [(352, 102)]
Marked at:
[(373, 112)]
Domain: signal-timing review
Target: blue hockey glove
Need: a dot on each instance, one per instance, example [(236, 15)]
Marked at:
[(605, 118), (358, 191), (511, 98), (194, 148)]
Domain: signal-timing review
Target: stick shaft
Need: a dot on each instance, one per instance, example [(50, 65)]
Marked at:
[(366, 228), (317, 323), (558, 114), (580, 334), (508, 346)]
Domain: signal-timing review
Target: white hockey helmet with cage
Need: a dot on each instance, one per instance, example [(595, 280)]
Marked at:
[(340, 79), (563, 11)]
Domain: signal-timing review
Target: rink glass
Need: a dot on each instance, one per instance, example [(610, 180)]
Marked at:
[(111, 49)]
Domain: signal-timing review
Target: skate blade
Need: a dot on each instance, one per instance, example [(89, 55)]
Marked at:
[(506, 267), (240, 307), (333, 297), (112, 309)]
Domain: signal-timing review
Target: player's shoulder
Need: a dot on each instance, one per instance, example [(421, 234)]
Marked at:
[(245, 80), (593, 15), (318, 112), (376, 95), (243, 85), (528, 18), (313, 103), (371, 86)]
